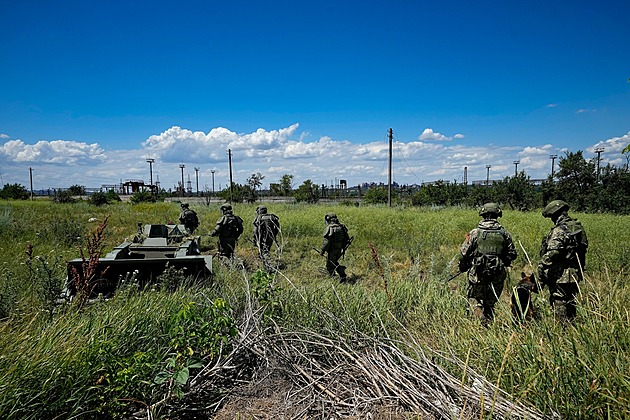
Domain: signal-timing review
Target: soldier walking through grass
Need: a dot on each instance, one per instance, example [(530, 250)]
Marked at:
[(266, 229), (486, 254), (188, 218), (562, 259), (228, 228), (336, 241)]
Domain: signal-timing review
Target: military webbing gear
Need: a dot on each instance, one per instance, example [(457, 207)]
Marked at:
[(486, 252), (336, 241), (487, 258), (269, 224), (490, 242), (562, 259), (189, 218), (563, 252), (235, 225)]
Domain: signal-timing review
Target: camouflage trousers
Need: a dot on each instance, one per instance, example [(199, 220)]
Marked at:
[(482, 297), (227, 246), (332, 264), (264, 246), (562, 300)]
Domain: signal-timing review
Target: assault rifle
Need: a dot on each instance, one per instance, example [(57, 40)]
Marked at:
[(346, 246), (453, 276)]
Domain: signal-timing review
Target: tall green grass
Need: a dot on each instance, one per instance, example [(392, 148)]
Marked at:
[(104, 358)]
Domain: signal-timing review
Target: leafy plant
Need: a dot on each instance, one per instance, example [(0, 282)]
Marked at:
[(266, 293), (196, 332), (47, 279)]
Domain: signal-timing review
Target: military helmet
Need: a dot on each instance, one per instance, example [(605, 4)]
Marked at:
[(555, 207), (330, 217), (261, 209), (184, 205), (225, 207), (490, 208)]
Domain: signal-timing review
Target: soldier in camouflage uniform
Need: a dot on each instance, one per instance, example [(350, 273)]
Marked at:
[(335, 240), (486, 254), (188, 218), (562, 259), (229, 227), (266, 228)]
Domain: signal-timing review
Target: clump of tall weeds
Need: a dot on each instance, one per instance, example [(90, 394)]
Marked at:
[(46, 279), (86, 280)]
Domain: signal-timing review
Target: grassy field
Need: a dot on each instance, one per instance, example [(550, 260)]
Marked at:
[(142, 348)]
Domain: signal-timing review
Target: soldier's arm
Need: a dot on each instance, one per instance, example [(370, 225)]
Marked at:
[(556, 247), (510, 250), (466, 251), (217, 228), (326, 241)]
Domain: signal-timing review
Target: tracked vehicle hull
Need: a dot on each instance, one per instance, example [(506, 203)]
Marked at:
[(142, 260)]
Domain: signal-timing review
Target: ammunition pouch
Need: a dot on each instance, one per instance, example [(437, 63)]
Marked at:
[(487, 266), (570, 275)]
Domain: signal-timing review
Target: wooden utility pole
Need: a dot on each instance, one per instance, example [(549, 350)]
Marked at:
[(389, 180), (231, 183), (213, 171), (30, 172), (197, 178), (599, 151), (150, 161), (182, 166)]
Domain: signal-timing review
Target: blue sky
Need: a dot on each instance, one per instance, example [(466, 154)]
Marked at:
[(90, 90)]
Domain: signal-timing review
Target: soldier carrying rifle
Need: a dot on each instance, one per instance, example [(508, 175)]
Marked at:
[(562, 259), (266, 229), (486, 254), (336, 242)]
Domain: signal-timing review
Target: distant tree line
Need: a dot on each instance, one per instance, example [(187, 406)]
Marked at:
[(577, 181)]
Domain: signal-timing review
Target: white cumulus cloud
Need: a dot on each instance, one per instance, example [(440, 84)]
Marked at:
[(429, 134), (57, 151), (178, 144)]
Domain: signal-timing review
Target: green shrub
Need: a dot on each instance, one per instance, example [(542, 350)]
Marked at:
[(142, 197), (376, 195), (98, 198), (14, 192), (63, 197)]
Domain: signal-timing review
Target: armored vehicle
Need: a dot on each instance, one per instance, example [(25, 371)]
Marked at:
[(144, 257)]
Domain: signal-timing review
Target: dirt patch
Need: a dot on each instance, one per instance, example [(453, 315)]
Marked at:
[(269, 398)]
